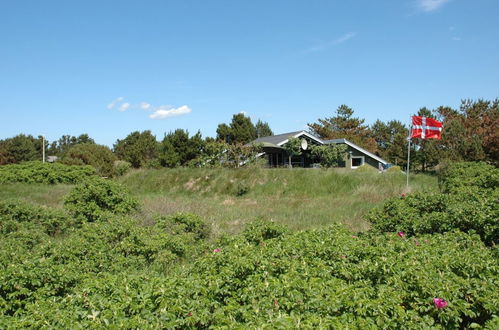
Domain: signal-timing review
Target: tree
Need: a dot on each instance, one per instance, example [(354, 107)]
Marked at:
[(329, 155), (344, 125), (138, 148), (20, 148), (263, 129), (241, 130), (293, 148), (178, 149), (391, 140), (98, 156), (65, 142)]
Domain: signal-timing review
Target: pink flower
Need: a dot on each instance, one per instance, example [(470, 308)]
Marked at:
[(217, 250), (417, 243), (403, 195), (440, 303), (343, 257), (353, 236), (401, 234)]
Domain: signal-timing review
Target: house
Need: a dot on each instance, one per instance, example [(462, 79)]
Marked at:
[(275, 153)]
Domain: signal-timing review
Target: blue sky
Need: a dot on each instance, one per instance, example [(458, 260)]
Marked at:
[(108, 68)]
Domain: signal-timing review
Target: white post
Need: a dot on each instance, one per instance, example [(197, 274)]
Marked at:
[(43, 148), (408, 159)]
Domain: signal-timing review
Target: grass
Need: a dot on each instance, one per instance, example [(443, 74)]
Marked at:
[(298, 198), (228, 198)]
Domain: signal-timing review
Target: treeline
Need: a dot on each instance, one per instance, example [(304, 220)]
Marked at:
[(470, 134)]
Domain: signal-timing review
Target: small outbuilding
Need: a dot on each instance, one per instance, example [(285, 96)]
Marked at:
[(273, 150)]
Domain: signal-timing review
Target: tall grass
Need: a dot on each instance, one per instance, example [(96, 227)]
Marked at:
[(298, 198)]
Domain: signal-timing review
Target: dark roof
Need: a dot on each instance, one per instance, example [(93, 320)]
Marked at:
[(275, 139)]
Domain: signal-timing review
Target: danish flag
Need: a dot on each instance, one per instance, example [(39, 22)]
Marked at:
[(425, 128)]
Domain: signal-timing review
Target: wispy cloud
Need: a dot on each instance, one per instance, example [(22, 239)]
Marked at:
[(116, 101), (124, 106), (431, 5), (165, 113), (327, 44), (158, 112)]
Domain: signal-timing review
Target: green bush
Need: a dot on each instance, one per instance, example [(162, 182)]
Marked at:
[(366, 168), (121, 167), (394, 169), (185, 222), (95, 198), (457, 176), (315, 279), (98, 156), (423, 213), (17, 215), (261, 230), (38, 172)]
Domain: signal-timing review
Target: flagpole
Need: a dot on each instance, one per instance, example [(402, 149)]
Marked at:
[(408, 158)]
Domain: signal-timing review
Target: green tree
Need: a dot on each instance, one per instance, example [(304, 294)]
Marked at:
[(20, 148), (344, 125), (263, 129), (240, 130), (391, 140), (138, 148), (329, 155), (59, 147), (293, 148), (98, 156), (178, 149)]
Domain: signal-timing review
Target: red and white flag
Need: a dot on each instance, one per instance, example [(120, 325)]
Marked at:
[(425, 128)]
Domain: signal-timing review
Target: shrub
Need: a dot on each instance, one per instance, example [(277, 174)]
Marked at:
[(98, 156), (261, 230), (394, 169), (366, 168), (457, 176), (423, 213), (185, 222), (95, 198), (38, 172), (121, 167), (16, 215)]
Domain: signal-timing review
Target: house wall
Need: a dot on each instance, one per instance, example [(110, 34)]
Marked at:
[(367, 160)]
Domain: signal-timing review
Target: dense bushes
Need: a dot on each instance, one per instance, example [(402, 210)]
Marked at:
[(319, 279), (98, 156), (95, 198), (38, 172), (469, 203)]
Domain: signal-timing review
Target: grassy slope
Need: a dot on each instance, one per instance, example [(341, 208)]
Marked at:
[(299, 198)]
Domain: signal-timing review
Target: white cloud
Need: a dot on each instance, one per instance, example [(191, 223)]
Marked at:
[(124, 106), (112, 104), (325, 45), (431, 5), (162, 113), (145, 106)]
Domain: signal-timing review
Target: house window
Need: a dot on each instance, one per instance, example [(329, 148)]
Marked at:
[(357, 161)]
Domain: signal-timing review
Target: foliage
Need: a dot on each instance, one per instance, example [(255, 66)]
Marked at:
[(20, 148), (95, 198), (178, 149), (458, 176), (59, 147), (185, 222), (394, 169), (366, 168), (137, 148), (329, 155), (293, 148), (344, 126), (38, 172), (96, 155), (261, 230), (16, 216), (241, 130), (391, 140), (469, 203), (419, 213), (263, 129), (105, 275), (121, 167)]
